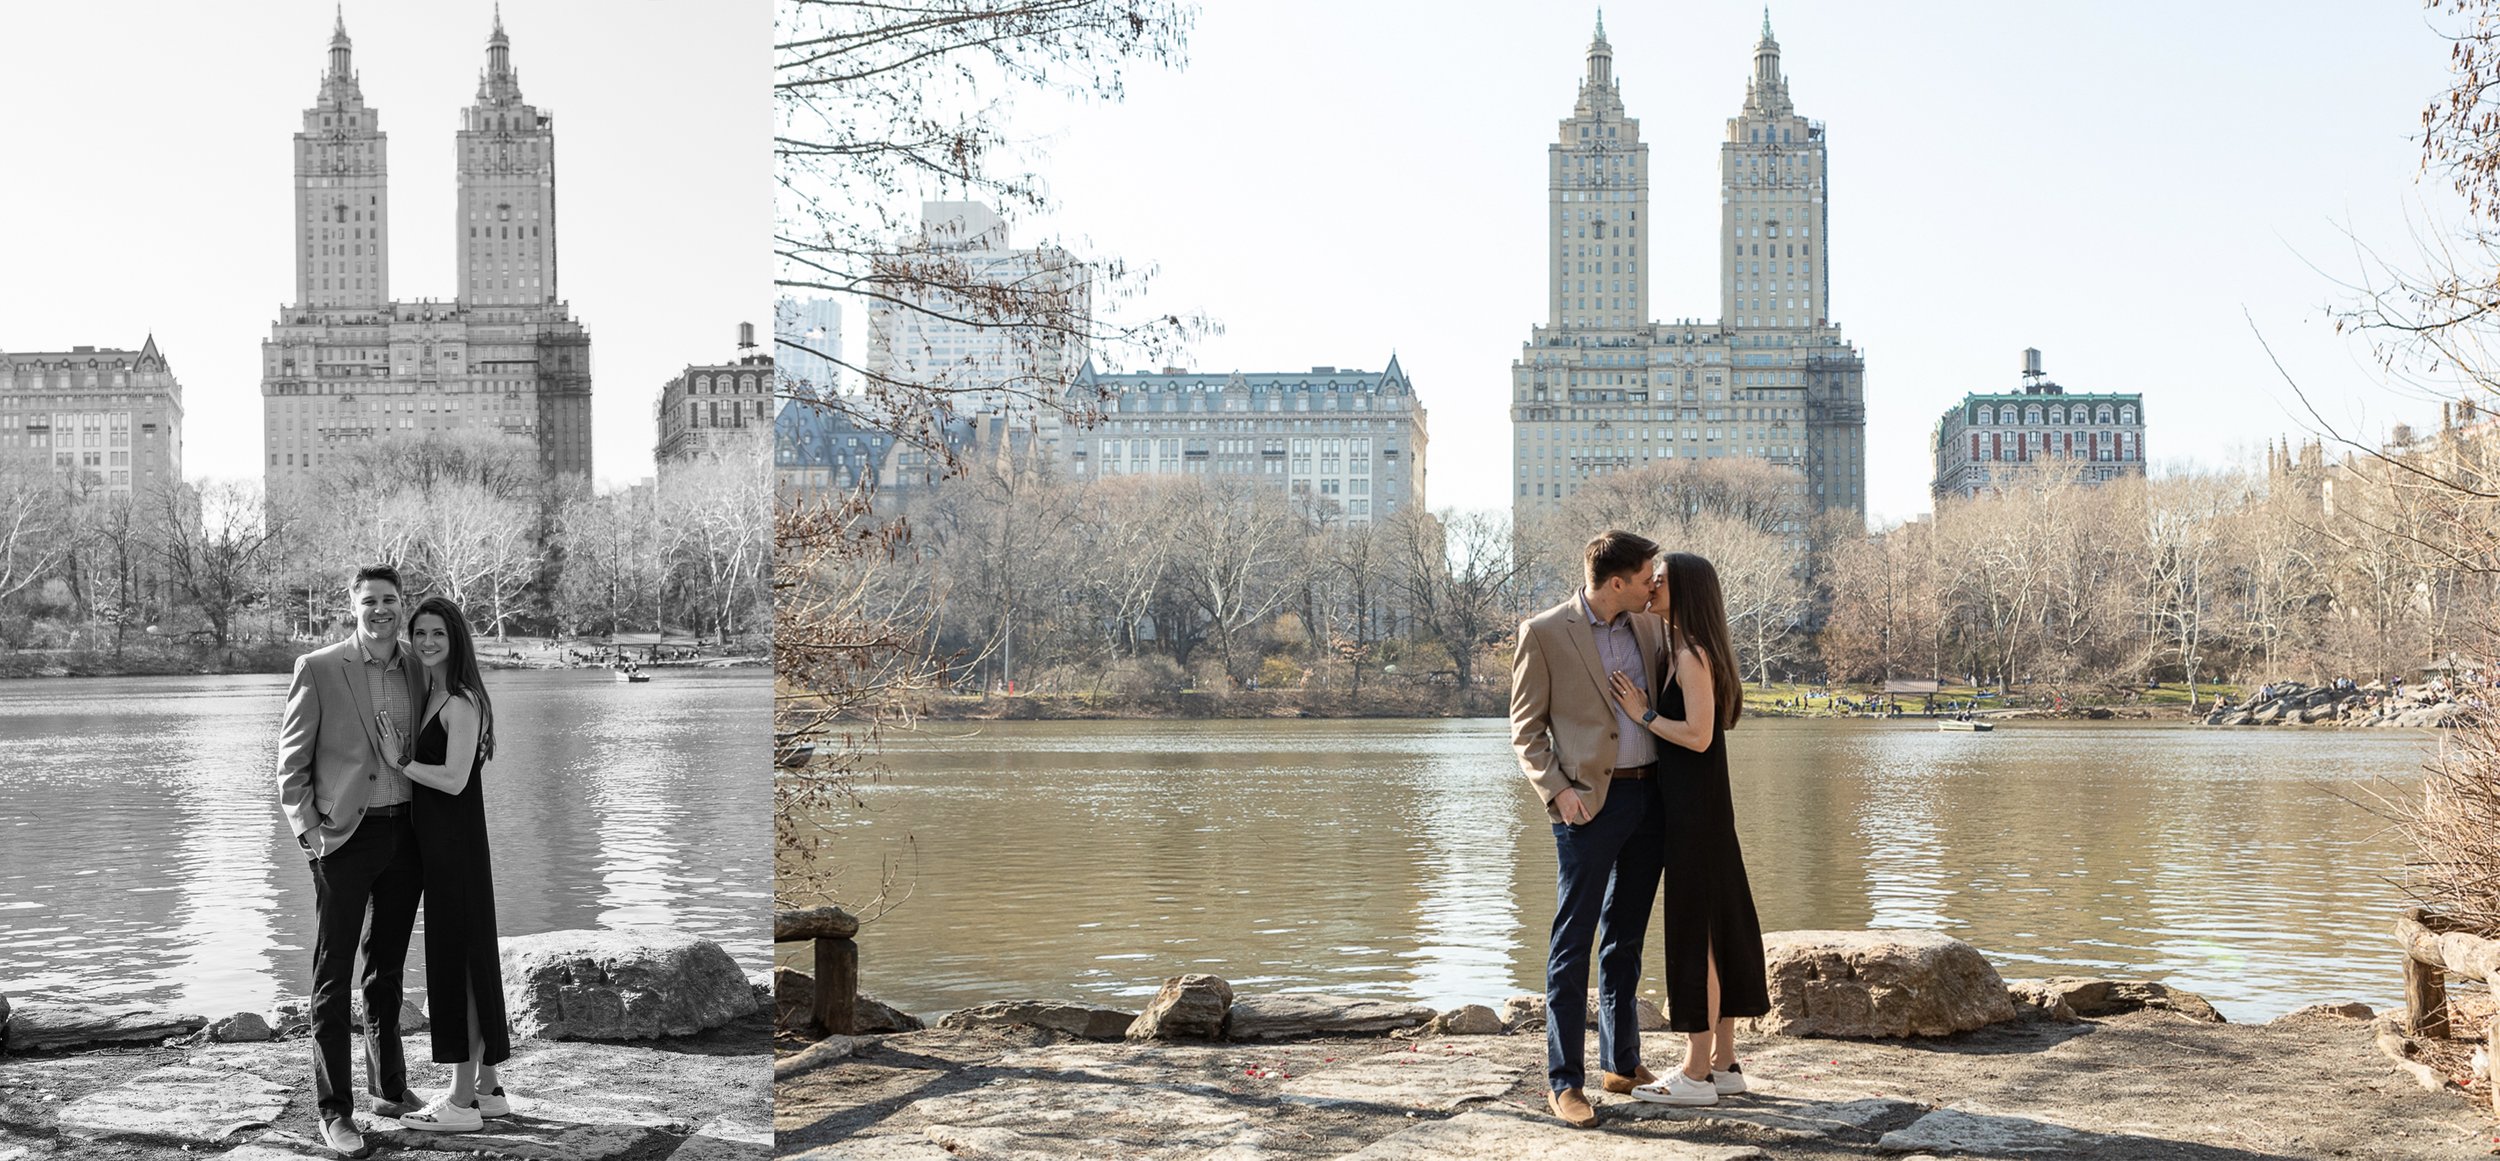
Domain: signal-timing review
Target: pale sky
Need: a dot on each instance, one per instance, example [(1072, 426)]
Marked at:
[(2127, 186), (148, 185)]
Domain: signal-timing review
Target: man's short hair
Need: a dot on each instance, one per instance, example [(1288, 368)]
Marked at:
[(1616, 552), (373, 572)]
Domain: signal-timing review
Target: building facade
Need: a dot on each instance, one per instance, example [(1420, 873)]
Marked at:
[(1348, 444), (822, 453), (808, 344), (347, 365), (1987, 440), (705, 405), (110, 420), (1601, 387), (948, 339)]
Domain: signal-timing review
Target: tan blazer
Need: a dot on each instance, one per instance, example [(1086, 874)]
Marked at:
[(330, 744), (1562, 712)]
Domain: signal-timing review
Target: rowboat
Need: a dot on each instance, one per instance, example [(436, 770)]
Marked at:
[(1968, 727)]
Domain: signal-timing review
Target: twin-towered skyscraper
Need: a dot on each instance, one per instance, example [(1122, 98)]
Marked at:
[(347, 365), (1602, 387)]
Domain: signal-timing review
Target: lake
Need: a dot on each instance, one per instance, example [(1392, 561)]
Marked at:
[(1408, 859), (143, 859)]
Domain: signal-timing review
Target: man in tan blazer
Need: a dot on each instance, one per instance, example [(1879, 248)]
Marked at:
[(349, 711), (1591, 764)]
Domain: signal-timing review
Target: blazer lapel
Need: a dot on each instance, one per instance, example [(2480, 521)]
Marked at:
[(352, 668), (1584, 642)]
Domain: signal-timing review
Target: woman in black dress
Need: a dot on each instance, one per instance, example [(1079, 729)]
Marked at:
[(463, 966), (1714, 941)]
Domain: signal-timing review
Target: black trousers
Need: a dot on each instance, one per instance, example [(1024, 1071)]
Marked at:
[(366, 893)]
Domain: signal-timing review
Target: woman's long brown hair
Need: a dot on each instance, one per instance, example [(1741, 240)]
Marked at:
[(1697, 613), (460, 674)]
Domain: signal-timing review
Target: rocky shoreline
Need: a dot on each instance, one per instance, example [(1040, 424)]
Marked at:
[(2375, 704), (1879, 1044), (630, 1045)]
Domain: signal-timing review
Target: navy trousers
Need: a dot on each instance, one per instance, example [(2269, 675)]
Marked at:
[(1607, 873)]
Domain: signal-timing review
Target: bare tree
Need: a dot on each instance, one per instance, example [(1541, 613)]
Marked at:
[(1461, 572), (222, 543), (33, 517)]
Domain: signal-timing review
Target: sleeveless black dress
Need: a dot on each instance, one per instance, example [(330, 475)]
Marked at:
[(461, 957), (1708, 902)]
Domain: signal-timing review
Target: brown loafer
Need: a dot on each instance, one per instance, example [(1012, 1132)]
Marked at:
[(1616, 1083), (1572, 1107)]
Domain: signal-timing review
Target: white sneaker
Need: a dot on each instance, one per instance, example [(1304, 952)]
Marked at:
[(1678, 1089), (441, 1116), (492, 1103), (1730, 1081)]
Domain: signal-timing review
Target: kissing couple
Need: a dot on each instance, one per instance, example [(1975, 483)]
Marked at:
[(1620, 702), (379, 762)]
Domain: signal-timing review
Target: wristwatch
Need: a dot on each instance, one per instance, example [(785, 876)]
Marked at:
[(1649, 715)]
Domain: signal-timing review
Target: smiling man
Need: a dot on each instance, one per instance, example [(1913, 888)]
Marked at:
[(348, 712)]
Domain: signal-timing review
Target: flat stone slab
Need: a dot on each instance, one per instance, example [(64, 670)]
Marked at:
[(42, 1026), (1136, 1062), (1024, 1118), (1502, 1137), (523, 1137), (1084, 1020), (882, 1147), (1782, 1118), (1951, 1130), (729, 1138), (1277, 1017), (179, 1102), (1416, 1080)]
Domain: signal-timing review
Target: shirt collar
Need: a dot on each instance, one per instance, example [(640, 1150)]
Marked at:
[(362, 653), (1590, 611)]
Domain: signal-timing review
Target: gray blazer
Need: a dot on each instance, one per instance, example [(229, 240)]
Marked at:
[(330, 745)]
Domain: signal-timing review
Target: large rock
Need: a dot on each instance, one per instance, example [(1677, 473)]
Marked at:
[(794, 999), (1190, 1007), (1467, 1020), (1279, 1017), (2327, 1014), (2098, 997), (1879, 983), (242, 1027), (1083, 1020), (1525, 1012), (869, 1014), (794, 1008), (43, 1026), (624, 984)]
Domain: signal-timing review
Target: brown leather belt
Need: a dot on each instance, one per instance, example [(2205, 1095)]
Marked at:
[(1635, 772)]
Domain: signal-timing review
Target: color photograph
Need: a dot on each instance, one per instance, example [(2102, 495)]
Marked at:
[(1505, 580)]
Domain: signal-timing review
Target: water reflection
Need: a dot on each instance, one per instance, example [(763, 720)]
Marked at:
[(142, 858), (1405, 859), (1467, 923)]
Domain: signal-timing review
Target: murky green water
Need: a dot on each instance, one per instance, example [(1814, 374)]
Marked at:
[(1408, 858)]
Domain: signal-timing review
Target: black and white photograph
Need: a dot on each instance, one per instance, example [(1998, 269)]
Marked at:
[(384, 550)]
